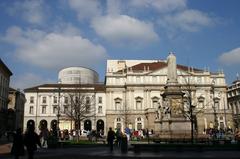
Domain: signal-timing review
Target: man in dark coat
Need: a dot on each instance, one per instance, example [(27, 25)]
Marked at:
[(110, 138), (31, 140), (18, 146)]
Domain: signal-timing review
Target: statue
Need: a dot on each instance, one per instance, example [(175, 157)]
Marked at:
[(172, 69)]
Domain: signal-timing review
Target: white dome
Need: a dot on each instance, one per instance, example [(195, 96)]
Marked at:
[(77, 75)]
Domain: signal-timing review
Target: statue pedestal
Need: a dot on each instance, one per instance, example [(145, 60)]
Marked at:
[(175, 125), (174, 128)]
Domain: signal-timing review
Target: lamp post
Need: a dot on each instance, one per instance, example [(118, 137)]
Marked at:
[(58, 110), (146, 115), (214, 107)]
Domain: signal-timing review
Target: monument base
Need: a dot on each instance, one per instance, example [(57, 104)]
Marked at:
[(173, 128)]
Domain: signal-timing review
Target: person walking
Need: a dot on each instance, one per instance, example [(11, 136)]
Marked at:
[(31, 140), (18, 145), (44, 135), (110, 138)]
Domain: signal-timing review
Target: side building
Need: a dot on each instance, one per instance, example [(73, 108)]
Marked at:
[(5, 75), (135, 88), (69, 105), (15, 109), (234, 101)]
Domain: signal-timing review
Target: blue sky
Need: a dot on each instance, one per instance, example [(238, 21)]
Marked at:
[(38, 38)]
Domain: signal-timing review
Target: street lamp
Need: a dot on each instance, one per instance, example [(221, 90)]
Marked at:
[(58, 110), (146, 115), (214, 106)]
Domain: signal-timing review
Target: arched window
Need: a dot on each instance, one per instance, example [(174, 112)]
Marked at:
[(139, 123)]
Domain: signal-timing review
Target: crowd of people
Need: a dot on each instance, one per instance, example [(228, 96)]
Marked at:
[(227, 134), (120, 138)]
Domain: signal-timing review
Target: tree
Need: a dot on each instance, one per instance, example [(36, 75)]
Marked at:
[(190, 109), (82, 106)]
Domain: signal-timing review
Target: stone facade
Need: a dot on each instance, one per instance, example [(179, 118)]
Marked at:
[(15, 109), (43, 102), (134, 95), (134, 88), (5, 74), (234, 101)]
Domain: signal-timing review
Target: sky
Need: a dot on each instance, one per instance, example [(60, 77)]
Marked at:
[(40, 37)]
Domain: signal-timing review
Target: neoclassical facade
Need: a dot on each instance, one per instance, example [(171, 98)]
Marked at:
[(49, 104), (46, 102), (135, 88), (134, 95), (234, 101)]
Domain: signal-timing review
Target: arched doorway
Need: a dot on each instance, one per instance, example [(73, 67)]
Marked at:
[(54, 124), (100, 125), (87, 125), (42, 125), (31, 123)]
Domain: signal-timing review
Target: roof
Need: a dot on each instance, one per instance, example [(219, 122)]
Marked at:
[(2, 65), (156, 66), (50, 87)]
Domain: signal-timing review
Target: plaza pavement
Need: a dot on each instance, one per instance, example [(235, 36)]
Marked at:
[(102, 152)]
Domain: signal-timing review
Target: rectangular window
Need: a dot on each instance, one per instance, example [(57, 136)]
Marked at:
[(31, 99), (87, 108), (100, 100), (76, 100), (117, 105), (87, 100), (139, 105), (99, 109), (54, 109), (155, 104), (55, 99), (43, 109), (31, 110), (65, 109), (44, 100), (66, 100)]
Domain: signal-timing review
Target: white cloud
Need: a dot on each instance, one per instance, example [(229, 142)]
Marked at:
[(125, 29), (54, 50), (114, 7), (160, 5), (85, 9), (32, 11), (27, 80), (187, 20), (231, 57)]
